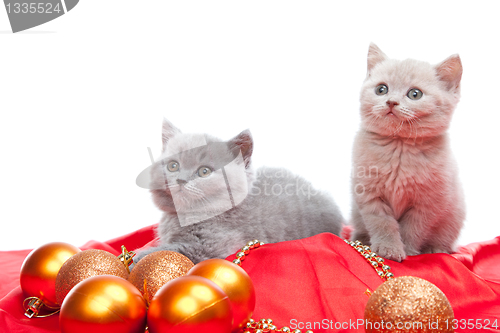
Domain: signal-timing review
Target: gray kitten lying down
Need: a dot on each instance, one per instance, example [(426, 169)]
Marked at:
[(214, 202)]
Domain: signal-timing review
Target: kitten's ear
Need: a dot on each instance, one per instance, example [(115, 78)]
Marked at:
[(375, 56), (168, 132), (244, 142), (450, 71)]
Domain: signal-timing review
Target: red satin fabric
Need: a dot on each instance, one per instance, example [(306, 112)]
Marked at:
[(314, 281)]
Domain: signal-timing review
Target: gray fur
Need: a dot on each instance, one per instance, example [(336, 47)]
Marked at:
[(278, 205)]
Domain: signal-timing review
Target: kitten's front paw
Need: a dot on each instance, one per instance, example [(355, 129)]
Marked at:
[(390, 251), (141, 254), (411, 251)]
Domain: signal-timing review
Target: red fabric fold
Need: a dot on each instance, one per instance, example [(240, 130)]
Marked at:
[(319, 280), (322, 281)]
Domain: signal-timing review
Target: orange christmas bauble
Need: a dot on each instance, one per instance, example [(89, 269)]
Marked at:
[(40, 268), (235, 283), (190, 304), (84, 265), (156, 269), (103, 304), (408, 304)]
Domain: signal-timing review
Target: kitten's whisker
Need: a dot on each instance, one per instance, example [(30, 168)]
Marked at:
[(374, 117), (193, 189), (411, 122), (196, 195), (398, 129), (411, 130), (416, 131), (170, 186)]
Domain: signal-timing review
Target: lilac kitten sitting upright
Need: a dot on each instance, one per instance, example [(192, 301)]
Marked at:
[(214, 202), (407, 197)]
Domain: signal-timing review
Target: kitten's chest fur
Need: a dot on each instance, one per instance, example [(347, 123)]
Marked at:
[(401, 172)]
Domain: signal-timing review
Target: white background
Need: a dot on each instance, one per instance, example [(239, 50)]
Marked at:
[(83, 96)]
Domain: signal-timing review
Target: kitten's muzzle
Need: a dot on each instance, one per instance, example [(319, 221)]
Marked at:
[(392, 103)]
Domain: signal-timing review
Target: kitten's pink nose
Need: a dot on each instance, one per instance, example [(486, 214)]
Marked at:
[(392, 103), (181, 181)]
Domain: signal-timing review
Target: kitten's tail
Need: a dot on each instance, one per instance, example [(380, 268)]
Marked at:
[(346, 231)]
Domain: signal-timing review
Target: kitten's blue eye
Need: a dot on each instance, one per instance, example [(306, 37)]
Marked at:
[(173, 166), (415, 94), (381, 89), (204, 171)]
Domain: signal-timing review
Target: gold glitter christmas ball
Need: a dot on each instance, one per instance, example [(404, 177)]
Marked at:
[(408, 304), (84, 265), (156, 269)]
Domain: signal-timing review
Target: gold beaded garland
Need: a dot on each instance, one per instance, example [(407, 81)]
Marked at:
[(263, 325), (383, 270), (240, 255), (407, 299), (378, 263), (266, 325)]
